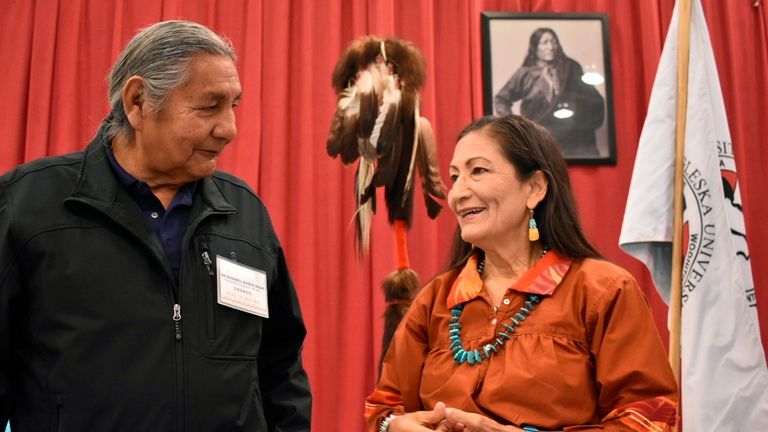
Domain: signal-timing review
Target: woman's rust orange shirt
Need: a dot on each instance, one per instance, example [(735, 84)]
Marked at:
[(587, 356)]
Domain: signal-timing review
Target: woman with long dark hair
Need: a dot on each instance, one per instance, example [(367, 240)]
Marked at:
[(529, 328)]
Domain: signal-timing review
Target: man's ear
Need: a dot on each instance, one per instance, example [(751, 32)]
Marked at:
[(538, 188), (133, 101)]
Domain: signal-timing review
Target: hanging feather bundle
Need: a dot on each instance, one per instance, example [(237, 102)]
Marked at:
[(377, 124)]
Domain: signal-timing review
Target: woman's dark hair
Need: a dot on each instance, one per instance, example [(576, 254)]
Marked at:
[(530, 148), (533, 45)]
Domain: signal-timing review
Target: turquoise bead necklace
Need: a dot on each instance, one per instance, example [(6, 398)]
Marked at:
[(473, 357)]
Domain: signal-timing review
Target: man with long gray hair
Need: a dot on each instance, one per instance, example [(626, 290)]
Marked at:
[(141, 289)]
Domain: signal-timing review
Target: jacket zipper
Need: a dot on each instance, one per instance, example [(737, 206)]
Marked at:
[(210, 301), (179, 349), (177, 321), (207, 261)]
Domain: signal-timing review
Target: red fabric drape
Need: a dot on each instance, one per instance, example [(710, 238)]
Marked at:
[(54, 56)]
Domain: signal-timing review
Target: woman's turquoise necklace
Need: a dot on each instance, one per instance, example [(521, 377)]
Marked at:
[(460, 355)]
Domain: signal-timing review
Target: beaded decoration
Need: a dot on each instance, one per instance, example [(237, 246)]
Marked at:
[(461, 355)]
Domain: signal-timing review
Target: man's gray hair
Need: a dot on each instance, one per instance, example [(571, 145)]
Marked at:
[(160, 54)]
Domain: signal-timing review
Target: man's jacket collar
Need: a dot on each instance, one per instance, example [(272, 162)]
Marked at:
[(97, 185)]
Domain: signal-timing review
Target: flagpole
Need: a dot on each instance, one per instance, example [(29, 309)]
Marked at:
[(675, 298)]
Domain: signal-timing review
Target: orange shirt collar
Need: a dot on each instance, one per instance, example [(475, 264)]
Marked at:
[(540, 279)]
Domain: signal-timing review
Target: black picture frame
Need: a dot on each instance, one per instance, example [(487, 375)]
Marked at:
[(543, 84)]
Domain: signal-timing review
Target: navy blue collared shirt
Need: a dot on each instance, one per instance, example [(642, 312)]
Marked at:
[(168, 224)]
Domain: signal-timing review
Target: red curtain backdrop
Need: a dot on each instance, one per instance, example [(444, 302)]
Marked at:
[(54, 56)]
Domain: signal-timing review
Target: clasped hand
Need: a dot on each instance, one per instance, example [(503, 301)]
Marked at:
[(445, 419)]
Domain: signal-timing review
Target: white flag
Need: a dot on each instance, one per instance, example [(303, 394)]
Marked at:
[(723, 369)]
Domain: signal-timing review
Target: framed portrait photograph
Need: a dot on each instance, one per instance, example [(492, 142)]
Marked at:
[(554, 69)]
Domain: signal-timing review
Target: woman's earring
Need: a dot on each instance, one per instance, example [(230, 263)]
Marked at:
[(533, 230)]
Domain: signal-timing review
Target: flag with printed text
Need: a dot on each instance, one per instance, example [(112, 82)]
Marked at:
[(724, 379)]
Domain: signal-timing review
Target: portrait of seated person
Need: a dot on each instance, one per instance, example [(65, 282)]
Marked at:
[(529, 328), (548, 81)]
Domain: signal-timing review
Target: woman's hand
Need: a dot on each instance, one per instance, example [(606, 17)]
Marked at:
[(457, 420), (421, 421)]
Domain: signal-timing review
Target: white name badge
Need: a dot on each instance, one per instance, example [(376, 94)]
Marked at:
[(241, 287)]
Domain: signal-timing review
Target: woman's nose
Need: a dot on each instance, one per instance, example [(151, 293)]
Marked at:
[(458, 190)]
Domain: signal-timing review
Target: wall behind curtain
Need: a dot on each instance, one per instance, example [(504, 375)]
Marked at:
[(54, 56)]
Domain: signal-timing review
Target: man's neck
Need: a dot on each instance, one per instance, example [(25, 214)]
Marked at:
[(126, 154)]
